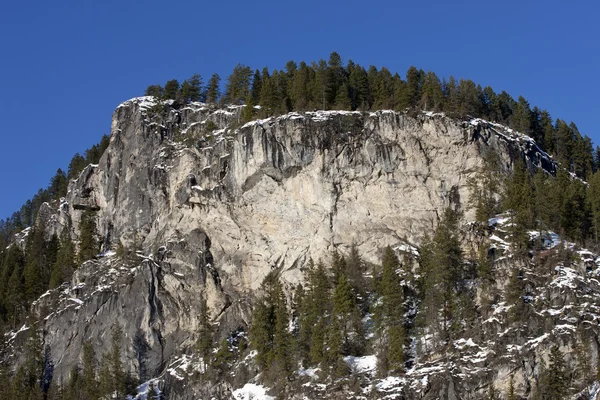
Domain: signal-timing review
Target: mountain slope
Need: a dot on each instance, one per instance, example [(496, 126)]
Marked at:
[(212, 206)]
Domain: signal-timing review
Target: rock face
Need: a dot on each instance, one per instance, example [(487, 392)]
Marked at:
[(214, 205)]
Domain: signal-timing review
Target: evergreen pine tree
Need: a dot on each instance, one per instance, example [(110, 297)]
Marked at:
[(171, 89), (76, 165), (313, 322), (341, 327), (14, 298), (223, 358), (593, 199), (484, 188), (269, 330), (256, 88), (359, 88), (213, 91), (521, 118), (65, 261), (117, 373), (557, 380), (89, 384), (204, 344), (261, 333), (390, 316), (355, 273), (73, 389), (58, 185), (300, 88), (238, 84), (511, 389), (583, 370), (154, 90), (195, 89), (342, 98), (281, 362), (468, 94), (270, 99), (492, 393), (5, 383), (106, 384), (413, 87), (32, 274), (432, 94), (519, 198), (88, 244)]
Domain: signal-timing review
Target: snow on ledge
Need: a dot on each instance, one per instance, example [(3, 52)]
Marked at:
[(251, 391)]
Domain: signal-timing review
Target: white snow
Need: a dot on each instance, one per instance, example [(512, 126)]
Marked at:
[(499, 220), (74, 300), (536, 342), (173, 373), (565, 328), (326, 115), (362, 365), (462, 343), (310, 372), (250, 391), (14, 334), (256, 122), (551, 312), (142, 390), (389, 383), (566, 277), (501, 242), (407, 248)]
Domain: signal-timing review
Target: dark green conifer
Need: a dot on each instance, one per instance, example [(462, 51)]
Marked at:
[(89, 383), (223, 358), (117, 373), (238, 84), (519, 198), (511, 389), (213, 91), (171, 89), (154, 90), (65, 261), (557, 379), (204, 344), (389, 316), (88, 243)]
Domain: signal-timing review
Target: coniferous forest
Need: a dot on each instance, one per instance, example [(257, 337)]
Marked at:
[(328, 311)]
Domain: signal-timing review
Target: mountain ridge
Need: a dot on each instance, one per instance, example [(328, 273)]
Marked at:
[(208, 211)]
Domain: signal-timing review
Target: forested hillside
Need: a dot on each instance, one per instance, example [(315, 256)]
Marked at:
[(224, 244)]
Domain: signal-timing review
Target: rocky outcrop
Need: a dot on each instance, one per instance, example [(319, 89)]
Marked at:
[(213, 205)]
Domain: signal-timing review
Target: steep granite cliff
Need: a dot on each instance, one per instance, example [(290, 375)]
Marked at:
[(213, 205)]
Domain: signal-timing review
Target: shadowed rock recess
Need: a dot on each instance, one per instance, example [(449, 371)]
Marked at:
[(213, 205)]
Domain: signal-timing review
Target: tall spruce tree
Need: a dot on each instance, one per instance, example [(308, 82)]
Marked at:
[(313, 315), (390, 316), (238, 84), (65, 261), (117, 372), (441, 261), (89, 382), (557, 379), (269, 334), (88, 242), (213, 91), (519, 199), (171, 89), (204, 344)]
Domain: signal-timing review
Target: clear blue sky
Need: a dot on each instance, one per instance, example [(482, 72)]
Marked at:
[(66, 65)]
